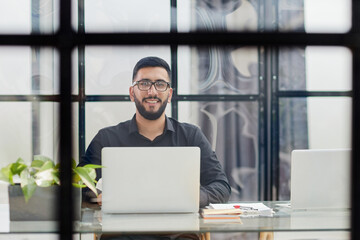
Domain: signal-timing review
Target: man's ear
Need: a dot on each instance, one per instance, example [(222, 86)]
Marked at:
[(131, 93), (170, 95)]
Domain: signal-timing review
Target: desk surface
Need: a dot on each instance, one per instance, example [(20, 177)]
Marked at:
[(283, 219)]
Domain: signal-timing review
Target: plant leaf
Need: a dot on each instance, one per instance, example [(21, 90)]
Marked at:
[(45, 178), (47, 165), (93, 166), (41, 158), (18, 166), (73, 164), (56, 175), (6, 174), (91, 172), (57, 166), (78, 185), (76, 178), (37, 164), (28, 185), (85, 177)]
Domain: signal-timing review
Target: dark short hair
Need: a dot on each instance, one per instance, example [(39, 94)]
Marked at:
[(151, 62)]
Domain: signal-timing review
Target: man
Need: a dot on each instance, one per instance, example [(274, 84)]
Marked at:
[(151, 91)]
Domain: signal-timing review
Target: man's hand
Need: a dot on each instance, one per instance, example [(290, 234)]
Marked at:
[(99, 199), (266, 236)]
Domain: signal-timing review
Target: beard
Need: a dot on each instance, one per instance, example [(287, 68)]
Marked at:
[(150, 115)]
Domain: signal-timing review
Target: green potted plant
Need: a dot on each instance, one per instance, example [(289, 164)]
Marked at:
[(41, 180)]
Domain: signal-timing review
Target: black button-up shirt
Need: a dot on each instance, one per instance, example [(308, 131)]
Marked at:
[(214, 186)]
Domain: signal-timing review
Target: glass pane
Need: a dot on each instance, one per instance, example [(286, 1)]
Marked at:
[(232, 130), (315, 69), (76, 68), (25, 17), (311, 123), (38, 74), (16, 132), (127, 16), (31, 128), (290, 16), (323, 72), (327, 16), (15, 16), (109, 69), (243, 16), (105, 114), (231, 70), (292, 74), (28, 129), (200, 15), (306, 15)]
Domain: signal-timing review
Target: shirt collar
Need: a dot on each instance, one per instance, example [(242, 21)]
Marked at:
[(133, 126)]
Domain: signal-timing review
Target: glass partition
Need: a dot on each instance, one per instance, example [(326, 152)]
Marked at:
[(108, 70), (127, 16), (233, 132), (311, 123), (218, 70), (315, 69), (255, 104), (15, 17)]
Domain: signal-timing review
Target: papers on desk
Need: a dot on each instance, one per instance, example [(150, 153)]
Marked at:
[(248, 209), (221, 215)]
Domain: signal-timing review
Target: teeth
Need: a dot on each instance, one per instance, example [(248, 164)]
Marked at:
[(152, 101)]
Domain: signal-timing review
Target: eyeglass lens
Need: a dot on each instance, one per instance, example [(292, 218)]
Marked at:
[(145, 85)]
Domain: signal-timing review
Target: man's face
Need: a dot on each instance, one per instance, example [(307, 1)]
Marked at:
[(151, 103)]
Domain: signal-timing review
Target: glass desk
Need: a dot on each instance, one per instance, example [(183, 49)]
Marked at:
[(283, 220)]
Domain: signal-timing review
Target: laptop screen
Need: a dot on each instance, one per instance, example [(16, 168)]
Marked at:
[(320, 178), (150, 179)]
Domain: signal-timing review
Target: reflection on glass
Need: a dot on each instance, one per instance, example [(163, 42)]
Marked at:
[(315, 68), (39, 70), (230, 70), (232, 130), (225, 15), (290, 16), (127, 16), (242, 16), (109, 69), (315, 123), (45, 16)]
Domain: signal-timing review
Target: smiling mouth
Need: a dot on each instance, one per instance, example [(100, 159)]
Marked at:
[(152, 100)]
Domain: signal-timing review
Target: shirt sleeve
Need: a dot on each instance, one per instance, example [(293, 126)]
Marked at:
[(215, 186)]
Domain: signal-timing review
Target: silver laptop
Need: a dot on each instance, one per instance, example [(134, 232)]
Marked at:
[(320, 179), (150, 179)]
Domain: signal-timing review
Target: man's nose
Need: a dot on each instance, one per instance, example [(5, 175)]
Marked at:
[(152, 90)]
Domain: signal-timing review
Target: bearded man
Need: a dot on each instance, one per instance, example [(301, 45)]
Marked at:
[(150, 127)]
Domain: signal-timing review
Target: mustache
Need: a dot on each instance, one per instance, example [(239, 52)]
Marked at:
[(151, 98)]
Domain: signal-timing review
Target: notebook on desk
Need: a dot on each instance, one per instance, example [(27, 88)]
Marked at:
[(150, 179), (320, 179)]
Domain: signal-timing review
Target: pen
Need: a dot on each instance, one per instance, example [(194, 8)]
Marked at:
[(243, 208)]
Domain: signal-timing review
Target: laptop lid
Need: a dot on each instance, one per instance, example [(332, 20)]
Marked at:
[(150, 179), (320, 179)]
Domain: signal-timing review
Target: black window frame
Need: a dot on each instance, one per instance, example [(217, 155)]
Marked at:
[(65, 40)]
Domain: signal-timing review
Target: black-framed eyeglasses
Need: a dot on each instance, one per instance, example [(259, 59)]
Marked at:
[(145, 85)]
